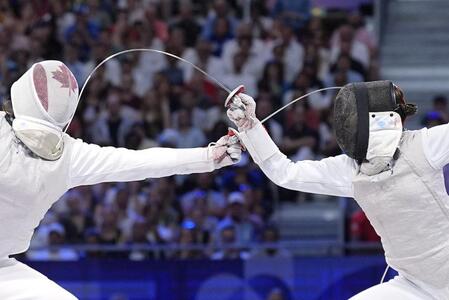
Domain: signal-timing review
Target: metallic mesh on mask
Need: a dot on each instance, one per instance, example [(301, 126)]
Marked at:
[(40, 137), (352, 106)]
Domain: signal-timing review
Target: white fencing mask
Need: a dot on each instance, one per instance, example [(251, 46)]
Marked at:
[(44, 100)]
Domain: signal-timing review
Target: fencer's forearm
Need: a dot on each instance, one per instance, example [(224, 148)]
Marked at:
[(91, 164), (306, 176), (331, 176)]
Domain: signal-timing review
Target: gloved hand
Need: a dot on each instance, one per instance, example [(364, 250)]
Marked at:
[(226, 151), (241, 109)]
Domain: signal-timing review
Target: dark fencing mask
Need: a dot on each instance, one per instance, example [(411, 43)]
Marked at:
[(368, 119)]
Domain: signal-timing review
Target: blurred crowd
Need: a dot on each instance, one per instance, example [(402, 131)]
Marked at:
[(278, 49)]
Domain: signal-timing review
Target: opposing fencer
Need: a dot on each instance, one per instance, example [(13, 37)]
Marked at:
[(39, 163), (400, 178)]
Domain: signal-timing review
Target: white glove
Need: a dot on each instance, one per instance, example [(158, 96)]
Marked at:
[(241, 109), (226, 151)]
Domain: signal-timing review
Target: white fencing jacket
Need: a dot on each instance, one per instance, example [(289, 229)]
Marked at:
[(29, 185), (408, 206)]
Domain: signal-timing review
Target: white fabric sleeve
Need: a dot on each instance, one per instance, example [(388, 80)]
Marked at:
[(435, 142), (330, 176), (91, 164)]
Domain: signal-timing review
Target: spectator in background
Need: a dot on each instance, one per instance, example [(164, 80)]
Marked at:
[(278, 52), (187, 23), (63, 17), (254, 49), (119, 199), (160, 27), (92, 106), (21, 54), (440, 106), (205, 223), (139, 236), (112, 127), (188, 136), (304, 84), (343, 42), (56, 237), (362, 34), (92, 238), (161, 211), (219, 15), (188, 237), (347, 65), (134, 77), (313, 33), (318, 58), (215, 202), (83, 32), (203, 58), (340, 78), (221, 32), (293, 52), (106, 218), (270, 235), (137, 140), (155, 114), (43, 40), (77, 217), (191, 103), (173, 72), (316, 48), (439, 113), (129, 99), (260, 23), (228, 241), (237, 75), (253, 206), (300, 141), (191, 200), (98, 14), (273, 80), (237, 217), (152, 215), (176, 43), (433, 118), (137, 34), (112, 68), (355, 64)]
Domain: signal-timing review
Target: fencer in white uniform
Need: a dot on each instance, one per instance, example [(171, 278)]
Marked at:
[(400, 179), (39, 163)]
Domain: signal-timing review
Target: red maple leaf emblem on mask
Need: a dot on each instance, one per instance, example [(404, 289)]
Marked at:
[(66, 78)]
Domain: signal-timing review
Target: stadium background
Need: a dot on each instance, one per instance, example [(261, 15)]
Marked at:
[(230, 234)]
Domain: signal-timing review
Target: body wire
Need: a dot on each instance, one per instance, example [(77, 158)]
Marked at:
[(196, 68)]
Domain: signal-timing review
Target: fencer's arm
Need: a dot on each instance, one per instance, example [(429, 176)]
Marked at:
[(435, 142), (330, 176), (91, 164)]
